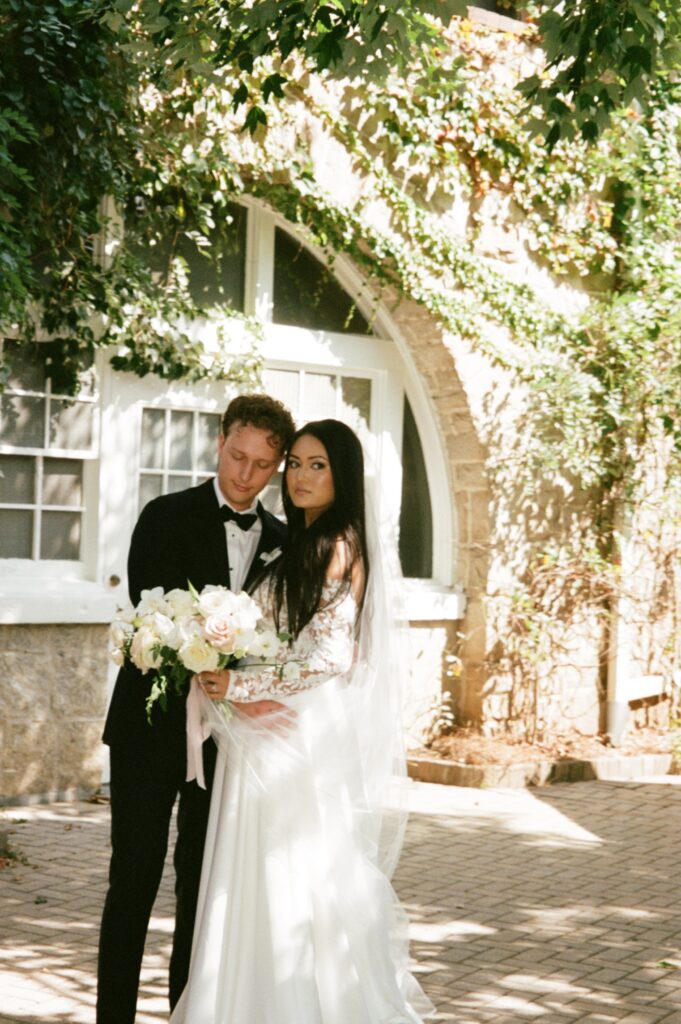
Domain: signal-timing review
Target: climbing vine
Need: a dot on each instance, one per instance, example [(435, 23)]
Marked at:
[(93, 148)]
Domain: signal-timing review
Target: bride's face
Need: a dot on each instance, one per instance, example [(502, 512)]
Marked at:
[(308, 477)]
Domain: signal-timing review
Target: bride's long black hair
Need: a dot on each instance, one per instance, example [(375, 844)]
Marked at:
[(300, 574)]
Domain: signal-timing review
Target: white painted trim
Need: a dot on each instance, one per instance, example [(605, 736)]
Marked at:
[(56, 601), (259, 296), (445, 527), (423, 601)]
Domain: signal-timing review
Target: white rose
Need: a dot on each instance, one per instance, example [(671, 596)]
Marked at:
[(184, 630), (198, 656), (213, 600), (181, 603), (142, 651), (245, 611), (152, 601), (159, 624)]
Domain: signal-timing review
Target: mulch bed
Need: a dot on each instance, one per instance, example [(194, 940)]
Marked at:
[(465, 746)]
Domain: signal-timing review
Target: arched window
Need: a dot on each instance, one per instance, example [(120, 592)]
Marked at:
[(416, 516), (306, 294), (70, 490)]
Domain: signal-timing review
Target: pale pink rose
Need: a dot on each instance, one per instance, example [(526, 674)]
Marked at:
[(219, 630)]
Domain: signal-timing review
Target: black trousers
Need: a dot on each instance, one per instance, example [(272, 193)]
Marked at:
[(144, 786)]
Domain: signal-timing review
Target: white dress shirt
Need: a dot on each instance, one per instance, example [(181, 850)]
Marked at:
[(241, 544)]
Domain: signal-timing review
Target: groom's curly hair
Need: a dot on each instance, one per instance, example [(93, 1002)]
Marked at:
[(264, 413)]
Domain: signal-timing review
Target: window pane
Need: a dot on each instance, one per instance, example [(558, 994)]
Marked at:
[(17, 479), (416, 519), (22, 421), (150, 487), (206, 442), (356, 396), (153, 433), (284, 385), (70, 424), (217, 279), (26, 366), (60, 535), (306, 294), (319, 398), (62, 482), (16, 532), (180, 440), (178, 483), (220, 279)]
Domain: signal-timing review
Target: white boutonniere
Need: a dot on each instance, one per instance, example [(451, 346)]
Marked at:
[(269, 556)]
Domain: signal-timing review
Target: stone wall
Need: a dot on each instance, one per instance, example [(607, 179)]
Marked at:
[(52, 704)]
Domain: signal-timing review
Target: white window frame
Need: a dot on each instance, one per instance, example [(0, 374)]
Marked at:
[(89, 591)]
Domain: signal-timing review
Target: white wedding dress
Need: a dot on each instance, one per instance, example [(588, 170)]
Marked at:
[(296, 921)]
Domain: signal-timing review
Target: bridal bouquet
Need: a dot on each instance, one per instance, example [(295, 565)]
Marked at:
[(177, 634)]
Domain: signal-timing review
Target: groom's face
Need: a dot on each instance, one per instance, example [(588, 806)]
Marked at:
[(246, 461)]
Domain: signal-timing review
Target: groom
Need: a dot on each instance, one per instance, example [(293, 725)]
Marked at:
[(216, 533)]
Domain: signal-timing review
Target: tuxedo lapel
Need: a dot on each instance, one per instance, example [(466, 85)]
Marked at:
[(211, 537)]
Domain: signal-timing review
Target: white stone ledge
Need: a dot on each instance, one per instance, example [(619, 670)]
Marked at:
[(425, 601), (45, 602), (42, 602)]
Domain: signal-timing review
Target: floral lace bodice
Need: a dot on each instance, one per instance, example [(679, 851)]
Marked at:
[(323, 649)]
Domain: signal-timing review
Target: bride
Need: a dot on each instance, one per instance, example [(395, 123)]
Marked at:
[(297, 922)]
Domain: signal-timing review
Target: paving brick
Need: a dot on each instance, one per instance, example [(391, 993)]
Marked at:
[(555, 905)]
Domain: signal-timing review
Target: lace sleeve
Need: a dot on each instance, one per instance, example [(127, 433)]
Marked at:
[(322, 650)]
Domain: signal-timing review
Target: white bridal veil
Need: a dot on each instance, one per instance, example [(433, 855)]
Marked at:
[(305, 830)]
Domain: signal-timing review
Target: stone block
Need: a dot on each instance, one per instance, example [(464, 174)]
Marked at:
[(42, 758), (53, 691), (24, 689)]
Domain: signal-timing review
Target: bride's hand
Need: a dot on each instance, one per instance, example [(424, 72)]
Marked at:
[(279, 717), (214, 684), (276, 717)]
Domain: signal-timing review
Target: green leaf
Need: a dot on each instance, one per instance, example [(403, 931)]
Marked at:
[(256, 116), (240, 96), (553, 136), (638, 57), (272, 86)]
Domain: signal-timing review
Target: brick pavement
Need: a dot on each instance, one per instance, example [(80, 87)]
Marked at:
[(557, 905)]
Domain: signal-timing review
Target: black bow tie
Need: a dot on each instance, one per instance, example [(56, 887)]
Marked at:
[(244, 520)]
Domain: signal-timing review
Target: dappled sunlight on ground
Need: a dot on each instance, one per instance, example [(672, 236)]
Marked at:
[(558, 904)]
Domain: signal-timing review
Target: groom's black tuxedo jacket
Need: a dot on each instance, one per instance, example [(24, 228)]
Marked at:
[(179, 538)]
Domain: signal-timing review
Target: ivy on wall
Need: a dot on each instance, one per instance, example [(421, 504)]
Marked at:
[(441, 151)]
